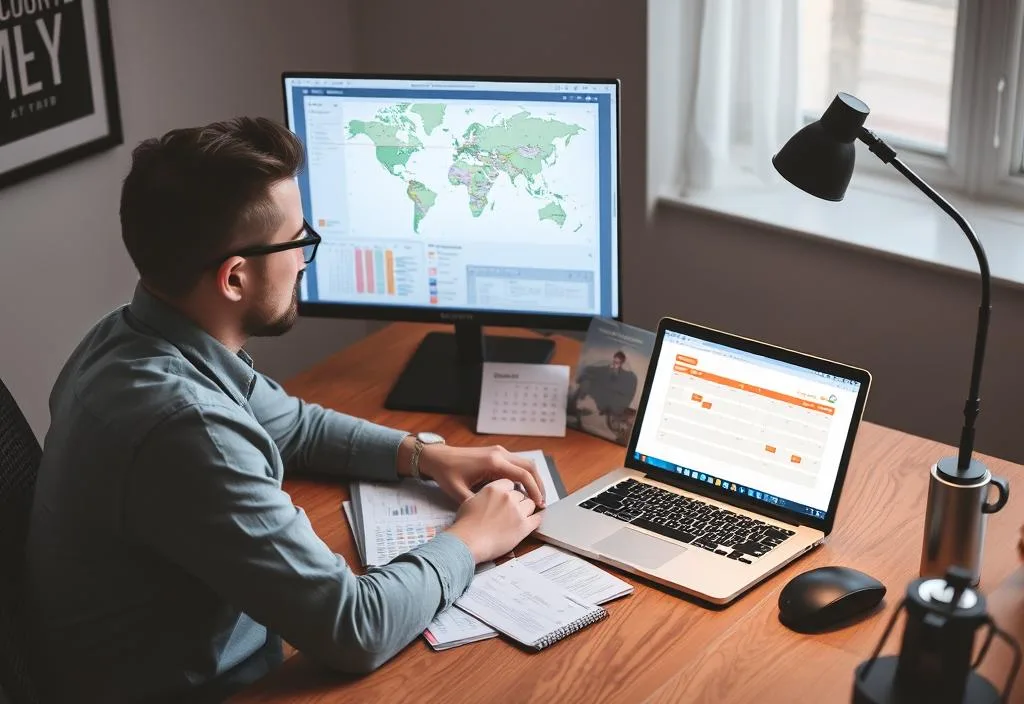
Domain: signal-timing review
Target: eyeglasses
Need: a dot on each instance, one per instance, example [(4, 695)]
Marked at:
[(309, 245)]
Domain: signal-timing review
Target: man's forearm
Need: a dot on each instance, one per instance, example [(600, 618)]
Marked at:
[(392, 605), (355, 448)]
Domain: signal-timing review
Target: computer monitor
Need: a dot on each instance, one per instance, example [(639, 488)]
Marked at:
[(471, 201)]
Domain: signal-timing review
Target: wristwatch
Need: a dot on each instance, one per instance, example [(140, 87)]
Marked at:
[(422, 440)]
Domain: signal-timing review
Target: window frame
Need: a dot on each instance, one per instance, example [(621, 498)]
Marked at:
[(1000, 174)]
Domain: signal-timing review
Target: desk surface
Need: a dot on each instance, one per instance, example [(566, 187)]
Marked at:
[(655, 646)]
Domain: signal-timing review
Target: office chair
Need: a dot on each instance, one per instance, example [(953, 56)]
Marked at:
[(19, 464)]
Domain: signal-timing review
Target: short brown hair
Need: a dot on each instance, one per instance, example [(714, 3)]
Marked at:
[(195, 193)]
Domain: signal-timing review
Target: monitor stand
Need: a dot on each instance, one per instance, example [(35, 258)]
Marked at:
[(443, 375)]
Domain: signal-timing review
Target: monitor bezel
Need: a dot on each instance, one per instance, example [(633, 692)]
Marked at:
[(770, 351), (421, 314)]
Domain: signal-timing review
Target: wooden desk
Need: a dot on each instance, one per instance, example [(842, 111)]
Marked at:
[(655, 646)]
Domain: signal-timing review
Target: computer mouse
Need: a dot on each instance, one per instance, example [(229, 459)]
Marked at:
[(827, 597)]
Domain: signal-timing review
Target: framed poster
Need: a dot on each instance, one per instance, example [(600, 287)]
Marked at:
[(58, 92)]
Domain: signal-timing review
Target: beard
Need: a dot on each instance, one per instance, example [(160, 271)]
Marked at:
[(258, 324)]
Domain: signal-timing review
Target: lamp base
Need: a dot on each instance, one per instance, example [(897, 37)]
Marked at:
[(949, 471), (954, 520), (879, 687)]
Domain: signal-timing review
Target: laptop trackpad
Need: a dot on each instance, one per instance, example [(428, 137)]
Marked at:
[(638, 548)]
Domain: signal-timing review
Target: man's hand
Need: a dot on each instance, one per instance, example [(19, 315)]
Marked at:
[(495, 520), (457, 470)]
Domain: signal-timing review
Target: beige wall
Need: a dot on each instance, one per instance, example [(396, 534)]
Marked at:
[(912, 326), (62, 264)]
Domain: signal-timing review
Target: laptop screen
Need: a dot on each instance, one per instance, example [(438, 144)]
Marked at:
[(768, 430)]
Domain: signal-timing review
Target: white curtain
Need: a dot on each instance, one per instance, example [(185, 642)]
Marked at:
[(723, 91)]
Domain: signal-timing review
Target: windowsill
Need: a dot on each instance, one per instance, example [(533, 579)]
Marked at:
[(882, 215)]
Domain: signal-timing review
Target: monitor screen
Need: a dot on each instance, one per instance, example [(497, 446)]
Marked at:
[(768, 430), (449, 195)]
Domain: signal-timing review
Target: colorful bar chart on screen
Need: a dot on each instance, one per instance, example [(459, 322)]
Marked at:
[(376, 271)]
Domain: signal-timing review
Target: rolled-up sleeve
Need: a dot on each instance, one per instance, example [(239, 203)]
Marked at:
[(312, 438), (203, 495)]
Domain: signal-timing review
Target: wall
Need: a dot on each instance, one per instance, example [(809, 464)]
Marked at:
[(62, 264), (911, 326)]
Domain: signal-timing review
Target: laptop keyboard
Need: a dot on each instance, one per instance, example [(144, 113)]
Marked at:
[(688, 520)]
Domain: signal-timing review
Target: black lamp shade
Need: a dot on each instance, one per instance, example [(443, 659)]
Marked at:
[(819, 158)]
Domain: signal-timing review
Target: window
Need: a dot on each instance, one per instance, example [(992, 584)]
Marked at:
[(730, 81), (897, 55), (942, 78)]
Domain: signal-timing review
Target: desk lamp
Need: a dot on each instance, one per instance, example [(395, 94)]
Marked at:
[(819, 160), (936, 662)]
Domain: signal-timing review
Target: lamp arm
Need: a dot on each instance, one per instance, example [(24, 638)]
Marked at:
[(973, 405)]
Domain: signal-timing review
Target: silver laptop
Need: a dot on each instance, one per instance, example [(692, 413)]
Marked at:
[(734, 467)]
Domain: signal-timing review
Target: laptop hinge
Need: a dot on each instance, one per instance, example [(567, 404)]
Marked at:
[(763, 509)]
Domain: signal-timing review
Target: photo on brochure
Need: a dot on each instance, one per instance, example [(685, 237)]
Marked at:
[(609, 379)]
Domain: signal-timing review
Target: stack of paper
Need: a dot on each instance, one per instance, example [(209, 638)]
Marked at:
[(580, 578), (390, 519), (455, 627), (526, 606)]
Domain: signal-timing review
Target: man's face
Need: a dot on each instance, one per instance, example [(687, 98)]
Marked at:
[(276, 305), (616, 363)]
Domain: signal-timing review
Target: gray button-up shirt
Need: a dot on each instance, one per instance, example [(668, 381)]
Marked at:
[(162, 547)]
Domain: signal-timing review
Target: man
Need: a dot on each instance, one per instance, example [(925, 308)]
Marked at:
[(164, 559), (611, 386)]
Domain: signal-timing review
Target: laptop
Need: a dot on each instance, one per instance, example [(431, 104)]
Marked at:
[(734, 467)]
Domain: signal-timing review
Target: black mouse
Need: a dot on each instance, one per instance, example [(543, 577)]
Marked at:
[(826, 597)]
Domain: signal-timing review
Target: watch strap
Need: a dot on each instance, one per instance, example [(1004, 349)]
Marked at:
[(414, 460)]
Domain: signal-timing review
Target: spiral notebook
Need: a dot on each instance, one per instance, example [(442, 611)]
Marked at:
[(526, 606)]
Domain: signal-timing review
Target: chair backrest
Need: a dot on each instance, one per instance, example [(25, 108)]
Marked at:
[(19, 465)]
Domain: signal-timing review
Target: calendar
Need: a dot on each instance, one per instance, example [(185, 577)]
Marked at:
[(523, 399)]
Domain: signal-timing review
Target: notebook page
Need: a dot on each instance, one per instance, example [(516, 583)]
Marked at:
[(523, 604), (586, 581)]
